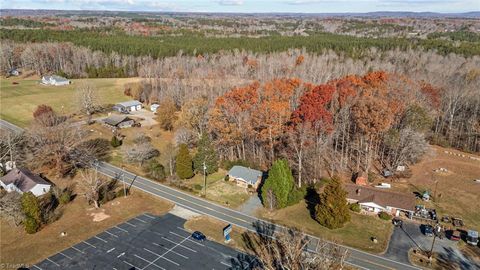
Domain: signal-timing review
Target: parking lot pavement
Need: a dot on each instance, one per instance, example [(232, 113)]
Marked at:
[(147, 242), (411, 236)]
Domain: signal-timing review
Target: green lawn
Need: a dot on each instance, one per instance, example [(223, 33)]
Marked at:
[(18, 101), (357, 233)]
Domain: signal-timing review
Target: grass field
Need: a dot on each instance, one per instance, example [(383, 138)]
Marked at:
[(18, 247), (457, 194), (18, 101), (357, 233)]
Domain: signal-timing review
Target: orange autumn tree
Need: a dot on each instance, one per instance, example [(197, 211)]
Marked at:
[(253, 115)]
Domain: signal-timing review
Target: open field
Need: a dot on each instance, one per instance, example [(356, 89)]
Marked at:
[(18, 101), (357, 233), (213, 229), (18, 247), (457, 193)]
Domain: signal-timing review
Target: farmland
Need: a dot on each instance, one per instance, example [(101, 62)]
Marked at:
[(20, 100)]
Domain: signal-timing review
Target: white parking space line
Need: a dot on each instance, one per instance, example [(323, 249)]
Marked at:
[(103, 240), (190, 240), (132, 265), (158, 266), (121, 229), (147, 215), (111, 234), (66, 255), (110, 250), (226, 264), (176, 253), (126, 222), (141, 220), (78, 250), (90, 244), (179, 245), (53, 262), (163, 256), (37, 267)]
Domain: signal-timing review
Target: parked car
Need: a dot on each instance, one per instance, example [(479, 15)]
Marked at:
[(472, 237), (455, 235), (428, 230), (397, 222), (198, 236)]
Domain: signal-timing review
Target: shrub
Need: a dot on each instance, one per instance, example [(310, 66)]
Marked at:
[(355, 207), (65, 198), (296, 195), (115, 142), (197, 187), (156, 170), (384, 216), (372, 177), (31, 225), (227, 178), (31, 207)]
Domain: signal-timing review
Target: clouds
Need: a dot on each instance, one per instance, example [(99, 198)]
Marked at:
[(246, 6), (230, 2)]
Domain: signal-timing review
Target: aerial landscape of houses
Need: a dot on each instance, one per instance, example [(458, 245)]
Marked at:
[(240, 135)]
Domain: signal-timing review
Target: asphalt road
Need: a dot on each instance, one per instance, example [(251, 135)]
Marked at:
[(357, 258), (147, 242)]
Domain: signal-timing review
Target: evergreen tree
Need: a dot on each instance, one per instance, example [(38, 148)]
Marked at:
[(278, 185), (206, 153), (184, 162), (32, 211), (115, 142), (332, 210)]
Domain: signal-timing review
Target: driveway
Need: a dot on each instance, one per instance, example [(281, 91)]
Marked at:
[(251, 206), (147, 116), (411, 236)]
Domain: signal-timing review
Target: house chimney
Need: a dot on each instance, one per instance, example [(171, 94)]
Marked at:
[(358, 192)]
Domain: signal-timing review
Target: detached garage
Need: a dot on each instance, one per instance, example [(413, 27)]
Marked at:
[(128, 106)]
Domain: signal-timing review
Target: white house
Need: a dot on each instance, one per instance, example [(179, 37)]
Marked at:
[(55, 80), (377, 200), (23, 180), (154, 107), (128, 106)]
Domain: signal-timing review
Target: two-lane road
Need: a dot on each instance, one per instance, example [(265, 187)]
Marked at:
[(357, 258)]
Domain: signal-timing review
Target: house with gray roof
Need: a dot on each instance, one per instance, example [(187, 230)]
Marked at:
[(128, 106), (118, 121), (22, 180), (244, 176)]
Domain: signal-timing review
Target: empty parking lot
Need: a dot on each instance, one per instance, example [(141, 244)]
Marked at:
[(147, 242)]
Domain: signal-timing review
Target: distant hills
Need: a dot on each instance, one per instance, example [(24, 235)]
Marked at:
[(377, 14)]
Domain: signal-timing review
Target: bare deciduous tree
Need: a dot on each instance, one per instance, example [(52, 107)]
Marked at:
[(287, 249), (92, 184), (88, 99)]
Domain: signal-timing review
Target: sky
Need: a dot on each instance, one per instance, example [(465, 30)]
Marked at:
[(250, 6)]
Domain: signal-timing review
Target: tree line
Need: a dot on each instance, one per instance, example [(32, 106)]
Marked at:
[(192, 44)]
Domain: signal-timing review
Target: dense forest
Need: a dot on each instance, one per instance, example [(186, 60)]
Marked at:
[(194, 44)]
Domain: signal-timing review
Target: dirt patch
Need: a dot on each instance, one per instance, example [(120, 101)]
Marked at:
[(99, 216)]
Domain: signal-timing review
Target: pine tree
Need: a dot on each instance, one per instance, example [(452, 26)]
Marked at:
[(279, 183), (115, 142), (206, 153), (32, 211), (184, 162), (332, 210)]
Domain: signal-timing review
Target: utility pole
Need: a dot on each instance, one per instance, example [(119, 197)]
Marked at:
[(123, 180), (435, 191), (204, 179), (435, 232)]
